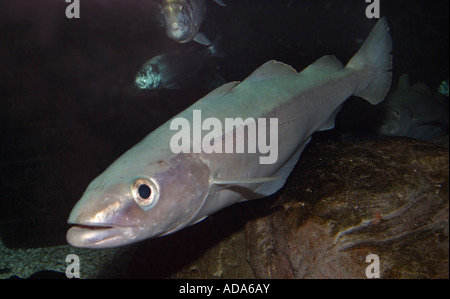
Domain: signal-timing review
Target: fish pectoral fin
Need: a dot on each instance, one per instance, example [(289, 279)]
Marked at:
[(220, 2), (269, 70), (331, 120), (238, 186), (423, 121), (173, 86), (283, 173), (202, 39), (243, 181), (270, 185)]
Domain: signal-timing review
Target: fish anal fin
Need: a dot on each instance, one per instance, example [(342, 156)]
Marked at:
[(269, 70)]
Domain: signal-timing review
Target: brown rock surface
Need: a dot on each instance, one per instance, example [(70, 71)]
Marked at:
[(346, 201)]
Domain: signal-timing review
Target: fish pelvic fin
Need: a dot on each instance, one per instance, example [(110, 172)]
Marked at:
[(375, 58), (202, 39)]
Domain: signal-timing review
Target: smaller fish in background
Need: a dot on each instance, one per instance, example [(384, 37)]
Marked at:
[(183, 19), (174, 70), (443, 88), (412, 111)]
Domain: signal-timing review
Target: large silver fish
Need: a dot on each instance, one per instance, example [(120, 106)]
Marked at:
[(151, 191), (183, 19)]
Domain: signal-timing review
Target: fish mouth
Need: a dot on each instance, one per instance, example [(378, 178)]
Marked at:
[(140, 85), (140, 82), (97, 236), (178, 31)]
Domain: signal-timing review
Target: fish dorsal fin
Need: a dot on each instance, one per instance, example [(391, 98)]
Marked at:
[(270, 70), (221, 91), (422, 88), (325, 63), (403, 82)]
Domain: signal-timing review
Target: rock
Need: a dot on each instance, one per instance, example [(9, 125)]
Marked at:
[(345, 201), (442, 141), (224, 260), (211, 249)]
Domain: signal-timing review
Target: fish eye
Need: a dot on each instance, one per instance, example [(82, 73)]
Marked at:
[(145, 193), (397, 113)]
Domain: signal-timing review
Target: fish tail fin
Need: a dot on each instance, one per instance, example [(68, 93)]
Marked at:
[(215, 50), (375, 60)]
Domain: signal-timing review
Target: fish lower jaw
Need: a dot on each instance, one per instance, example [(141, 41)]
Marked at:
[(99, 236)]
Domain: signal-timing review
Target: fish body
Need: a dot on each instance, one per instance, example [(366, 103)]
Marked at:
[(412, 111), (151, 191), (183, 19), (170, 71)]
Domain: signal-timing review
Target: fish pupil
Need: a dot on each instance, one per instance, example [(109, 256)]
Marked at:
[(144, 191)]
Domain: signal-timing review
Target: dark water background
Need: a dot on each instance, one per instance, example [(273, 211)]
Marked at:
[(67, 109)]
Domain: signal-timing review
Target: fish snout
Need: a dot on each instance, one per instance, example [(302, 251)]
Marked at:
[(178, 31), (141, 81), (387, 129), (102, 221), (100, 237)]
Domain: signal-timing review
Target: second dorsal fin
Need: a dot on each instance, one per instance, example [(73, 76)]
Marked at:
[(325, 63), (269, 70)]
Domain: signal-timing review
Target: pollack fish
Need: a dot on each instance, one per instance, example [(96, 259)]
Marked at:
[(170, 71), (151, 191), (183, 19), (412, 111)]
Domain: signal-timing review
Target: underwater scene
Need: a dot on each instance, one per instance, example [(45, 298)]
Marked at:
[(224, 139)]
